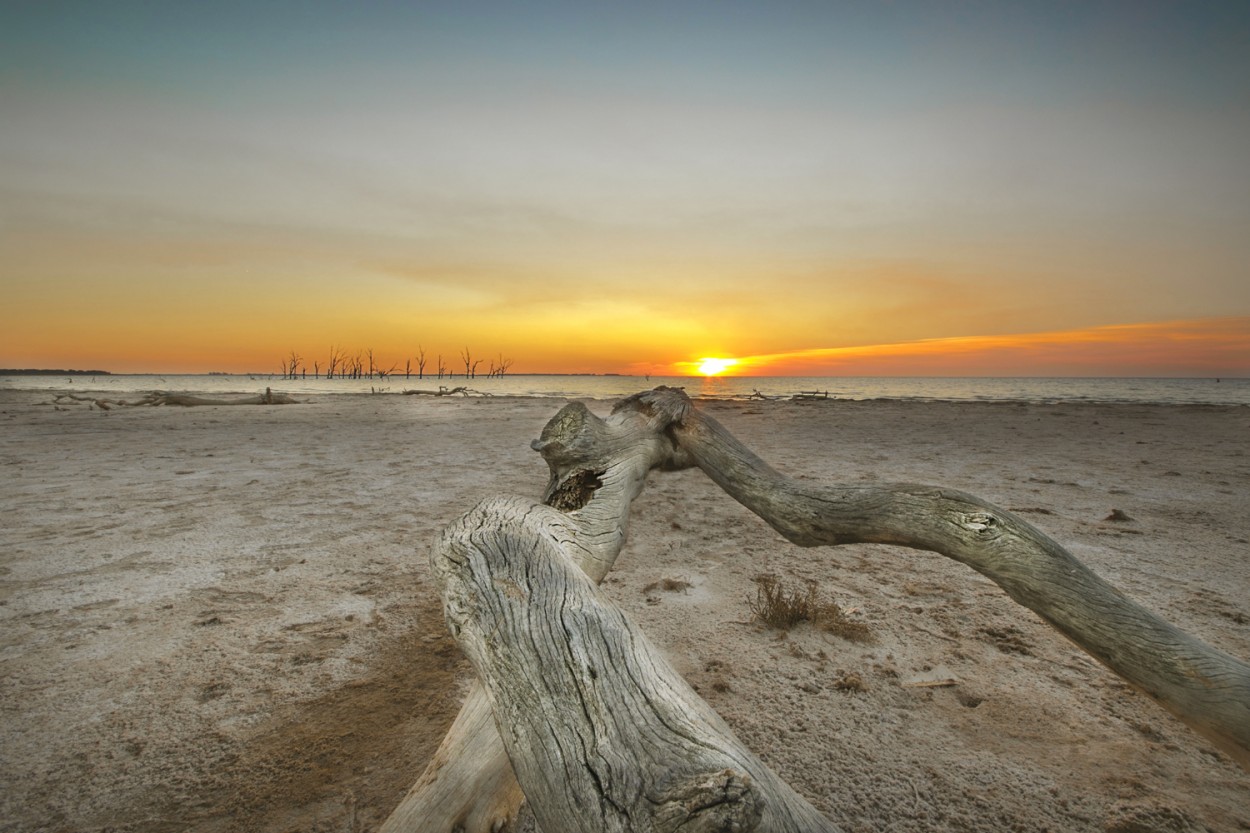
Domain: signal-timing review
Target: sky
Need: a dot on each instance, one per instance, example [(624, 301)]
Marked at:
[(849, 188)]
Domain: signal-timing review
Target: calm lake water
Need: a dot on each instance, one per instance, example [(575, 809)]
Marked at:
[(1169, 391)]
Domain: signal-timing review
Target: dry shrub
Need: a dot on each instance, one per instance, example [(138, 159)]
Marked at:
[(672, 585), (784, 607), (851, 681)]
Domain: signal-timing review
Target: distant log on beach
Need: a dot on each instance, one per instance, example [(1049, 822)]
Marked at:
[(158, 398), (27, 371), (443, 391), (601, 734)]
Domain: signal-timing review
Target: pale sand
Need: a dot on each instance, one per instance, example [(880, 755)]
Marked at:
[(221, 619)]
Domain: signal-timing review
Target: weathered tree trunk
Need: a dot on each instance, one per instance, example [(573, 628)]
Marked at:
[(1203, 686), (602, 733), (501, 567), (597, 469)]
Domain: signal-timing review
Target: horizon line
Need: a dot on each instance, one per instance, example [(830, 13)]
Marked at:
[(278, 377)]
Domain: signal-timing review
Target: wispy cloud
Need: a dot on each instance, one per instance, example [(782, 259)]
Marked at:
[(1208, 346)]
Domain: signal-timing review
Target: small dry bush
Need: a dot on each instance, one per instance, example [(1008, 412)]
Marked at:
[(850, 681), (784, 607), (672, 585)]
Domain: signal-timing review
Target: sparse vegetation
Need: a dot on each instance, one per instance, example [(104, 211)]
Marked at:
[(850, 681), (782, 607), (672, 585)]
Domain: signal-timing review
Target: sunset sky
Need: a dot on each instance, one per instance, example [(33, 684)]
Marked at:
[(812, 188)]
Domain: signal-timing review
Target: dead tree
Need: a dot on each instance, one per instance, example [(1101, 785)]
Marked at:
[(497, 370), (470, 364), (336, 357), (290, 365), (420, 362), (597, 468)]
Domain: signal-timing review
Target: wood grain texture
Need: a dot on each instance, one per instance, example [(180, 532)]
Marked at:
[(602, 733), (597, 466)]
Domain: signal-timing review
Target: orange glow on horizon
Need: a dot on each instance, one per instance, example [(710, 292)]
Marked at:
[(1200, 347), (1204, 347)]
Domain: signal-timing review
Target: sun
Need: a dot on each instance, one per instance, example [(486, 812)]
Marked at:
[(715, 367)]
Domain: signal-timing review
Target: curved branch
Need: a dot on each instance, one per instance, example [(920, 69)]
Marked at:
[(1205, 687)]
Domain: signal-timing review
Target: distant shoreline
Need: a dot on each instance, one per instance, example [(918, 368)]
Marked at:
[(35, 372), (1208, 391)]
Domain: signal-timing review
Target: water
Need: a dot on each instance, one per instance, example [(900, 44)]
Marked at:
[(1029, 389)]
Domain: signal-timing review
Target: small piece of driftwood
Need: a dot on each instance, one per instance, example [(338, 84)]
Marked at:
[(442, 391)]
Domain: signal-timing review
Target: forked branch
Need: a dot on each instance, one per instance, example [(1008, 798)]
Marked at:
[(552, 686)]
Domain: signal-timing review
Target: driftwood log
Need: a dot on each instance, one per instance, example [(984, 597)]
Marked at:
[(158, 398), (602, 733), (442, 391), (504, 566), (445, 391), (597, 469)]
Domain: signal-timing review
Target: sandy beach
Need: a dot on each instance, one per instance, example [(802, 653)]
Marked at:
[(221, 618)]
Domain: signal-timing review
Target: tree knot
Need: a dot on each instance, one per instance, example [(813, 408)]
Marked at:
[(982, 523), (575, 491), (710, 802)]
